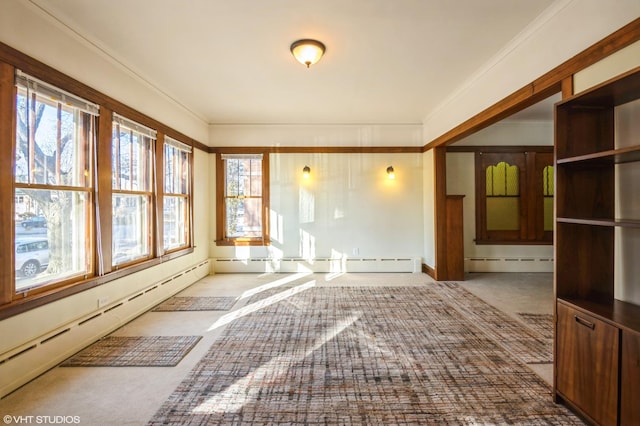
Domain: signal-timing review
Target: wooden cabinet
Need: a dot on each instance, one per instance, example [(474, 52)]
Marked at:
[(587, 364), (630, 379), (597, 238)]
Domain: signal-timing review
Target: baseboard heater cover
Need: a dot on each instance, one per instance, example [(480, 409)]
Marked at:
[(30, 359)]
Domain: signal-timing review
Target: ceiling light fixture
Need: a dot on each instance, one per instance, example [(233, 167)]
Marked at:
[(307, 51)]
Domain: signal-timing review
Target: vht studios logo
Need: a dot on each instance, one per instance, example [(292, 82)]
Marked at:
[(41, 420)]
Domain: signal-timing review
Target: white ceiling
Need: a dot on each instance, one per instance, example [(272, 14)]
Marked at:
[(228, 61)]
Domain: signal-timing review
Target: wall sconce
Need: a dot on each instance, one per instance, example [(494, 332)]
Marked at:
[(307, 51), (391, 173), (306, 172)]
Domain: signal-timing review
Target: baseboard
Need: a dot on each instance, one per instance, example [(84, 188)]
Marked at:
[(318, 265), (508, 264), (31, 359)]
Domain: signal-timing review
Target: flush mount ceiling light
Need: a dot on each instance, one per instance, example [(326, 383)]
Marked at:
[(307, 51)]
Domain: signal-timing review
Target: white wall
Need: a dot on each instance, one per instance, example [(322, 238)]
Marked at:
[(28, 29), (319, 135), (461, 180), (565, 30), (348, 208)]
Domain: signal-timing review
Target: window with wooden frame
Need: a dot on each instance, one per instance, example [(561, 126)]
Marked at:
[(514, 195), (176, 197), (132, 191), (242, 188), (55, 138)]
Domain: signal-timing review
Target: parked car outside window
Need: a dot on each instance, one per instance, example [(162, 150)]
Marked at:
[(35, 222), (32, 256)]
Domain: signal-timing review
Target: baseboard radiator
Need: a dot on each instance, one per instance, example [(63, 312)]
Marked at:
[(508, 264), (320, 265), (24, 363)]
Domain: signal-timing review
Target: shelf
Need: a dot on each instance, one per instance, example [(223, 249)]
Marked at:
[(621, 223), (617, 91), (613, 156), (620, 314)]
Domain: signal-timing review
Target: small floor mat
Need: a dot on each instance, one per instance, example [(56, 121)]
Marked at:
[(134, 351), (181, 303), (542, 323)]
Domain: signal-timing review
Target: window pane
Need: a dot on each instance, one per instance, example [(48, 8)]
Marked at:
[(175, 222), (232, 178), (131, 234), (53, 142), (244, 218), (176, 170), (244, 177), (503, 213), (51, 241), (131, 154)]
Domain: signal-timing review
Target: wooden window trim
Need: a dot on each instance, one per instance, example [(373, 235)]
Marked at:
[(531, 230), (160, 150), (220, 205), (10, 60)]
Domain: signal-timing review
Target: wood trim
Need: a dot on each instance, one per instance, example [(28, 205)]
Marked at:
[(104, 190), (541, 88), (220, 213), (567, 87), (159, 198), (500, 149), (426, 269), (440, 167), (7, 156), (318, 150)]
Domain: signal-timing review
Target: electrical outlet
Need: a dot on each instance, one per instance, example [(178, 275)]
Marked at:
[(102, 301), (356, 251)]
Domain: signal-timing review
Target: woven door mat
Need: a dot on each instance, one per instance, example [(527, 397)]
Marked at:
[(182, 303), (542, 323), (134, 351)]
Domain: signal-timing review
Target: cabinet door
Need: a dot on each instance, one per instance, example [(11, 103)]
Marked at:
[(630, 379), (587, 364)]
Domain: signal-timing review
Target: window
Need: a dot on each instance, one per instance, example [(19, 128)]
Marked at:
[(177, 187), (55, 140), (132, 186), (242, 196), (514, 196)]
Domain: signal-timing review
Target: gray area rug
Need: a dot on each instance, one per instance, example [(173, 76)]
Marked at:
[(134, 351), (542, 323), (364, 356), (188, 303)]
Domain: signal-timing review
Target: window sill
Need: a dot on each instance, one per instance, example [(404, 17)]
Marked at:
[(238, 242), (44, 297)]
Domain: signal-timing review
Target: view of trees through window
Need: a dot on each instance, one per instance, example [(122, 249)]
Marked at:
[(53, 180), (132, 182), (243, 197), (177, 174)]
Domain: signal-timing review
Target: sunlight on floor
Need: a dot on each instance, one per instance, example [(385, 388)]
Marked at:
[(246, 310), (245, 390)]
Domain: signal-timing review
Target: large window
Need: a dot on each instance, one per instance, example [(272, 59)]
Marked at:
[(177, 187), (514, 196), (55, 140), (132, 183), (242, 188)]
